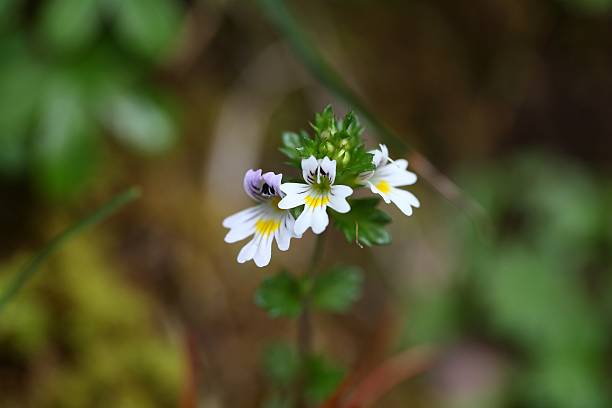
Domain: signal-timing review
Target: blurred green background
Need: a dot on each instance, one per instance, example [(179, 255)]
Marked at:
[(511, 99)]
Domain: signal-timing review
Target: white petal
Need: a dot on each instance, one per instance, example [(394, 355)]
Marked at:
[(309, 169), (240, 232), (242, 216), (320, 219), (339, 203), (264, 251), (404, 200), (292, 200), (401, 163), (303, 222), (381, 156), (395, 175), (284, 234), (329, 167), (341, 191), (249, 250), (375, 190), (294, 188)]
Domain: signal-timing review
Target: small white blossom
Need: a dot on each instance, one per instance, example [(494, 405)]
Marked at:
[(265, 221), (316, 195), (388, 175)]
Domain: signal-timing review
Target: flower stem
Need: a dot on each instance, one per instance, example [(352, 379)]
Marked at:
[(304, 334)]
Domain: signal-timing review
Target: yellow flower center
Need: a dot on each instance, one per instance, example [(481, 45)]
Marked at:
[(315, 202), (383, 186), (267, 227)]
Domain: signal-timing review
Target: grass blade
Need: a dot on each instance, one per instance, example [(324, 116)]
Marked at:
[(30, 268), (278, 13), (289, 27)]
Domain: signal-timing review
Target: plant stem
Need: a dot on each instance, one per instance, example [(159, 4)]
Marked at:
[(304, 335)]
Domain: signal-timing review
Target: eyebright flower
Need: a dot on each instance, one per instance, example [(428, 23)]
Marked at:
[(265, 221), (319, 193), (388, 175)]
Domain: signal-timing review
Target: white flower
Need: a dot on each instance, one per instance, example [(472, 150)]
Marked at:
[(318, 194), (388, 175), (264, 221)]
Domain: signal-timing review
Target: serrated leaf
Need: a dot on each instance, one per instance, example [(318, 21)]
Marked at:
[(322, 378), (280, 295), (364, 220), (294, 146), (337, 289), (281, 364)]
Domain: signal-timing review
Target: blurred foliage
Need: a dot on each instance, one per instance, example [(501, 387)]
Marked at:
[(539, 283), (337, 289), (333, 290), (282, 366), (86, 339), (280, 295), (65, 80)]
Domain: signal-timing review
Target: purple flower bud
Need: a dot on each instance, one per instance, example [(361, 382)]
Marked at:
[(262, 187)]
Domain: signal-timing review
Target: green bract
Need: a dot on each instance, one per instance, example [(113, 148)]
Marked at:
[(338, 139)]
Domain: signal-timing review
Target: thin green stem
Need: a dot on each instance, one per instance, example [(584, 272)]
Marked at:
[(31, 267), (305, 332)]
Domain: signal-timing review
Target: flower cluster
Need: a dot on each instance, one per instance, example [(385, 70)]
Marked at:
[(334, 162)]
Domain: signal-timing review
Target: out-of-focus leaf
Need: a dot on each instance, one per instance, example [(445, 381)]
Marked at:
[(365, 220), (322, 378), (593, 7), (70, 24), (30, 268), (141, 123), (281, 364), (566, 382), (148, 27), (20, 80), (337, 289), (432, 318), (277, 401), (66, 143), (8, 11), (280, 295)]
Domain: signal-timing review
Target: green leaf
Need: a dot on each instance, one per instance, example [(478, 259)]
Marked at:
[(9, 10), (20, 80), (281, 364), (322, 378), (30, 268), (589, 7), (337, 289), (295, 146), (280, 295), (69, 24), (369, 219), (67, 142), (148, 27), (340, 140), (141, 123)]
